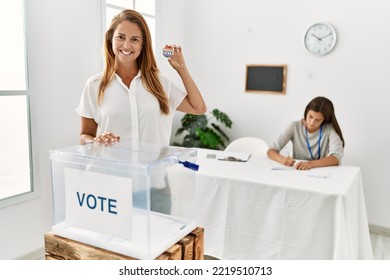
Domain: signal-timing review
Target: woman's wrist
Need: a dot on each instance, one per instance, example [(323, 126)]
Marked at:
[(182, 71), (86, 139)]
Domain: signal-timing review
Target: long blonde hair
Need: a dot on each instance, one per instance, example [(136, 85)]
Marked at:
[(146, 61)]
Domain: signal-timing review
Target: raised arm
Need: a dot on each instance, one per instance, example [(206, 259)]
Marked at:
[(193, 103)]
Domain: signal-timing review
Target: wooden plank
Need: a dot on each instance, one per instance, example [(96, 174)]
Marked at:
[(198, 235), (51, 258), (173, 253), (67, 249), (187, 247), (162, 257)]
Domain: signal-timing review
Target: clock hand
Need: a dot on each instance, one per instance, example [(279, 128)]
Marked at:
[(326, 36), (316, 36)]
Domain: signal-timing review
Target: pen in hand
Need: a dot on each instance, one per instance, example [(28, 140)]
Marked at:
[(290, 161)]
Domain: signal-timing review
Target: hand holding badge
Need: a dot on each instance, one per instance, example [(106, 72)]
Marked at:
[(167, 51)]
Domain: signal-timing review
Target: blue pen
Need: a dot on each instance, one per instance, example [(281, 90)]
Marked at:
[(190, 165)]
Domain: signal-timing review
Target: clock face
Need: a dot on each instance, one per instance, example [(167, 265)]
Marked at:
[(320, 38)]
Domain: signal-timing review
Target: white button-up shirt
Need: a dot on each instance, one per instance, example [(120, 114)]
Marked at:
[(131, 113)]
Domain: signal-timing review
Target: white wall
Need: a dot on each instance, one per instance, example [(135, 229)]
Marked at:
[(63, 46), (171, 29), (222, 36)]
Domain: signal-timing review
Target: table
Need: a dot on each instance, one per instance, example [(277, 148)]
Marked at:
[(249, 211)]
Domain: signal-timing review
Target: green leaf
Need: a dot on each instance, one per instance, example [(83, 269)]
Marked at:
[(222, 117), (217, 128), (190, 122), (179, 131), (201, 133), (209, 138), (191, 141)]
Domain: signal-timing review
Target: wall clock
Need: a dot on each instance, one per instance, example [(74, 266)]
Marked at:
[(320, 38)]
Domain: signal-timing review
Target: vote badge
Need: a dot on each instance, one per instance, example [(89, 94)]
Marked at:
[(167, 52)]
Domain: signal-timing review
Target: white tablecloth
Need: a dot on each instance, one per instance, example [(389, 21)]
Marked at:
[(250, 211)]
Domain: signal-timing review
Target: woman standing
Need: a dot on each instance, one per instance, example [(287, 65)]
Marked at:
[(131, 99)]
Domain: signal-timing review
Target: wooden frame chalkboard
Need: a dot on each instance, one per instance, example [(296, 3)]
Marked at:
[(266, 78)]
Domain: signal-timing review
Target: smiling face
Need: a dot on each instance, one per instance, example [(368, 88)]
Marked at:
[(127, 42), (313, 120)]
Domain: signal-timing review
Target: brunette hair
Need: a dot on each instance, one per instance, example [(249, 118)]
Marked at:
[(324, 106), (146, 61)]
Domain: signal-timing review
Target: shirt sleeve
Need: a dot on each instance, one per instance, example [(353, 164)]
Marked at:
[(87, 105), (335, 145), (283, 138), (176, 96)]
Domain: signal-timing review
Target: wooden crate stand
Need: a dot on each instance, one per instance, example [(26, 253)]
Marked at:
[(191, 247)]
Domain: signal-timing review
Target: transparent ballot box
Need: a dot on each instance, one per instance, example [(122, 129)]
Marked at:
[(120, 197)]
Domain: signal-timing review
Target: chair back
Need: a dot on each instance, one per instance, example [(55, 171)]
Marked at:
[(252, 145)]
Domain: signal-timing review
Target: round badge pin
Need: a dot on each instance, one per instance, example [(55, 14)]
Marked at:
[(167, 52)]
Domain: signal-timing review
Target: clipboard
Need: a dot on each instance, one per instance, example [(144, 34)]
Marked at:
[(235, 157)]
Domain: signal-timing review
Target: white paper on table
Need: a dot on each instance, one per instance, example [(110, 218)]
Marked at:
[(274, 165), (318, 173), (278, 166), (283, 167)]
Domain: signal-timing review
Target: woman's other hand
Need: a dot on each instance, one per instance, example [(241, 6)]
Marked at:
[(106, 138), (303, 165)]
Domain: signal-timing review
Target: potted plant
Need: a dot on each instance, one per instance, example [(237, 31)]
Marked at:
[(203, 131)]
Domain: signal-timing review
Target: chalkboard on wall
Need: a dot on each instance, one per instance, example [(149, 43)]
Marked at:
[(266, 78)]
